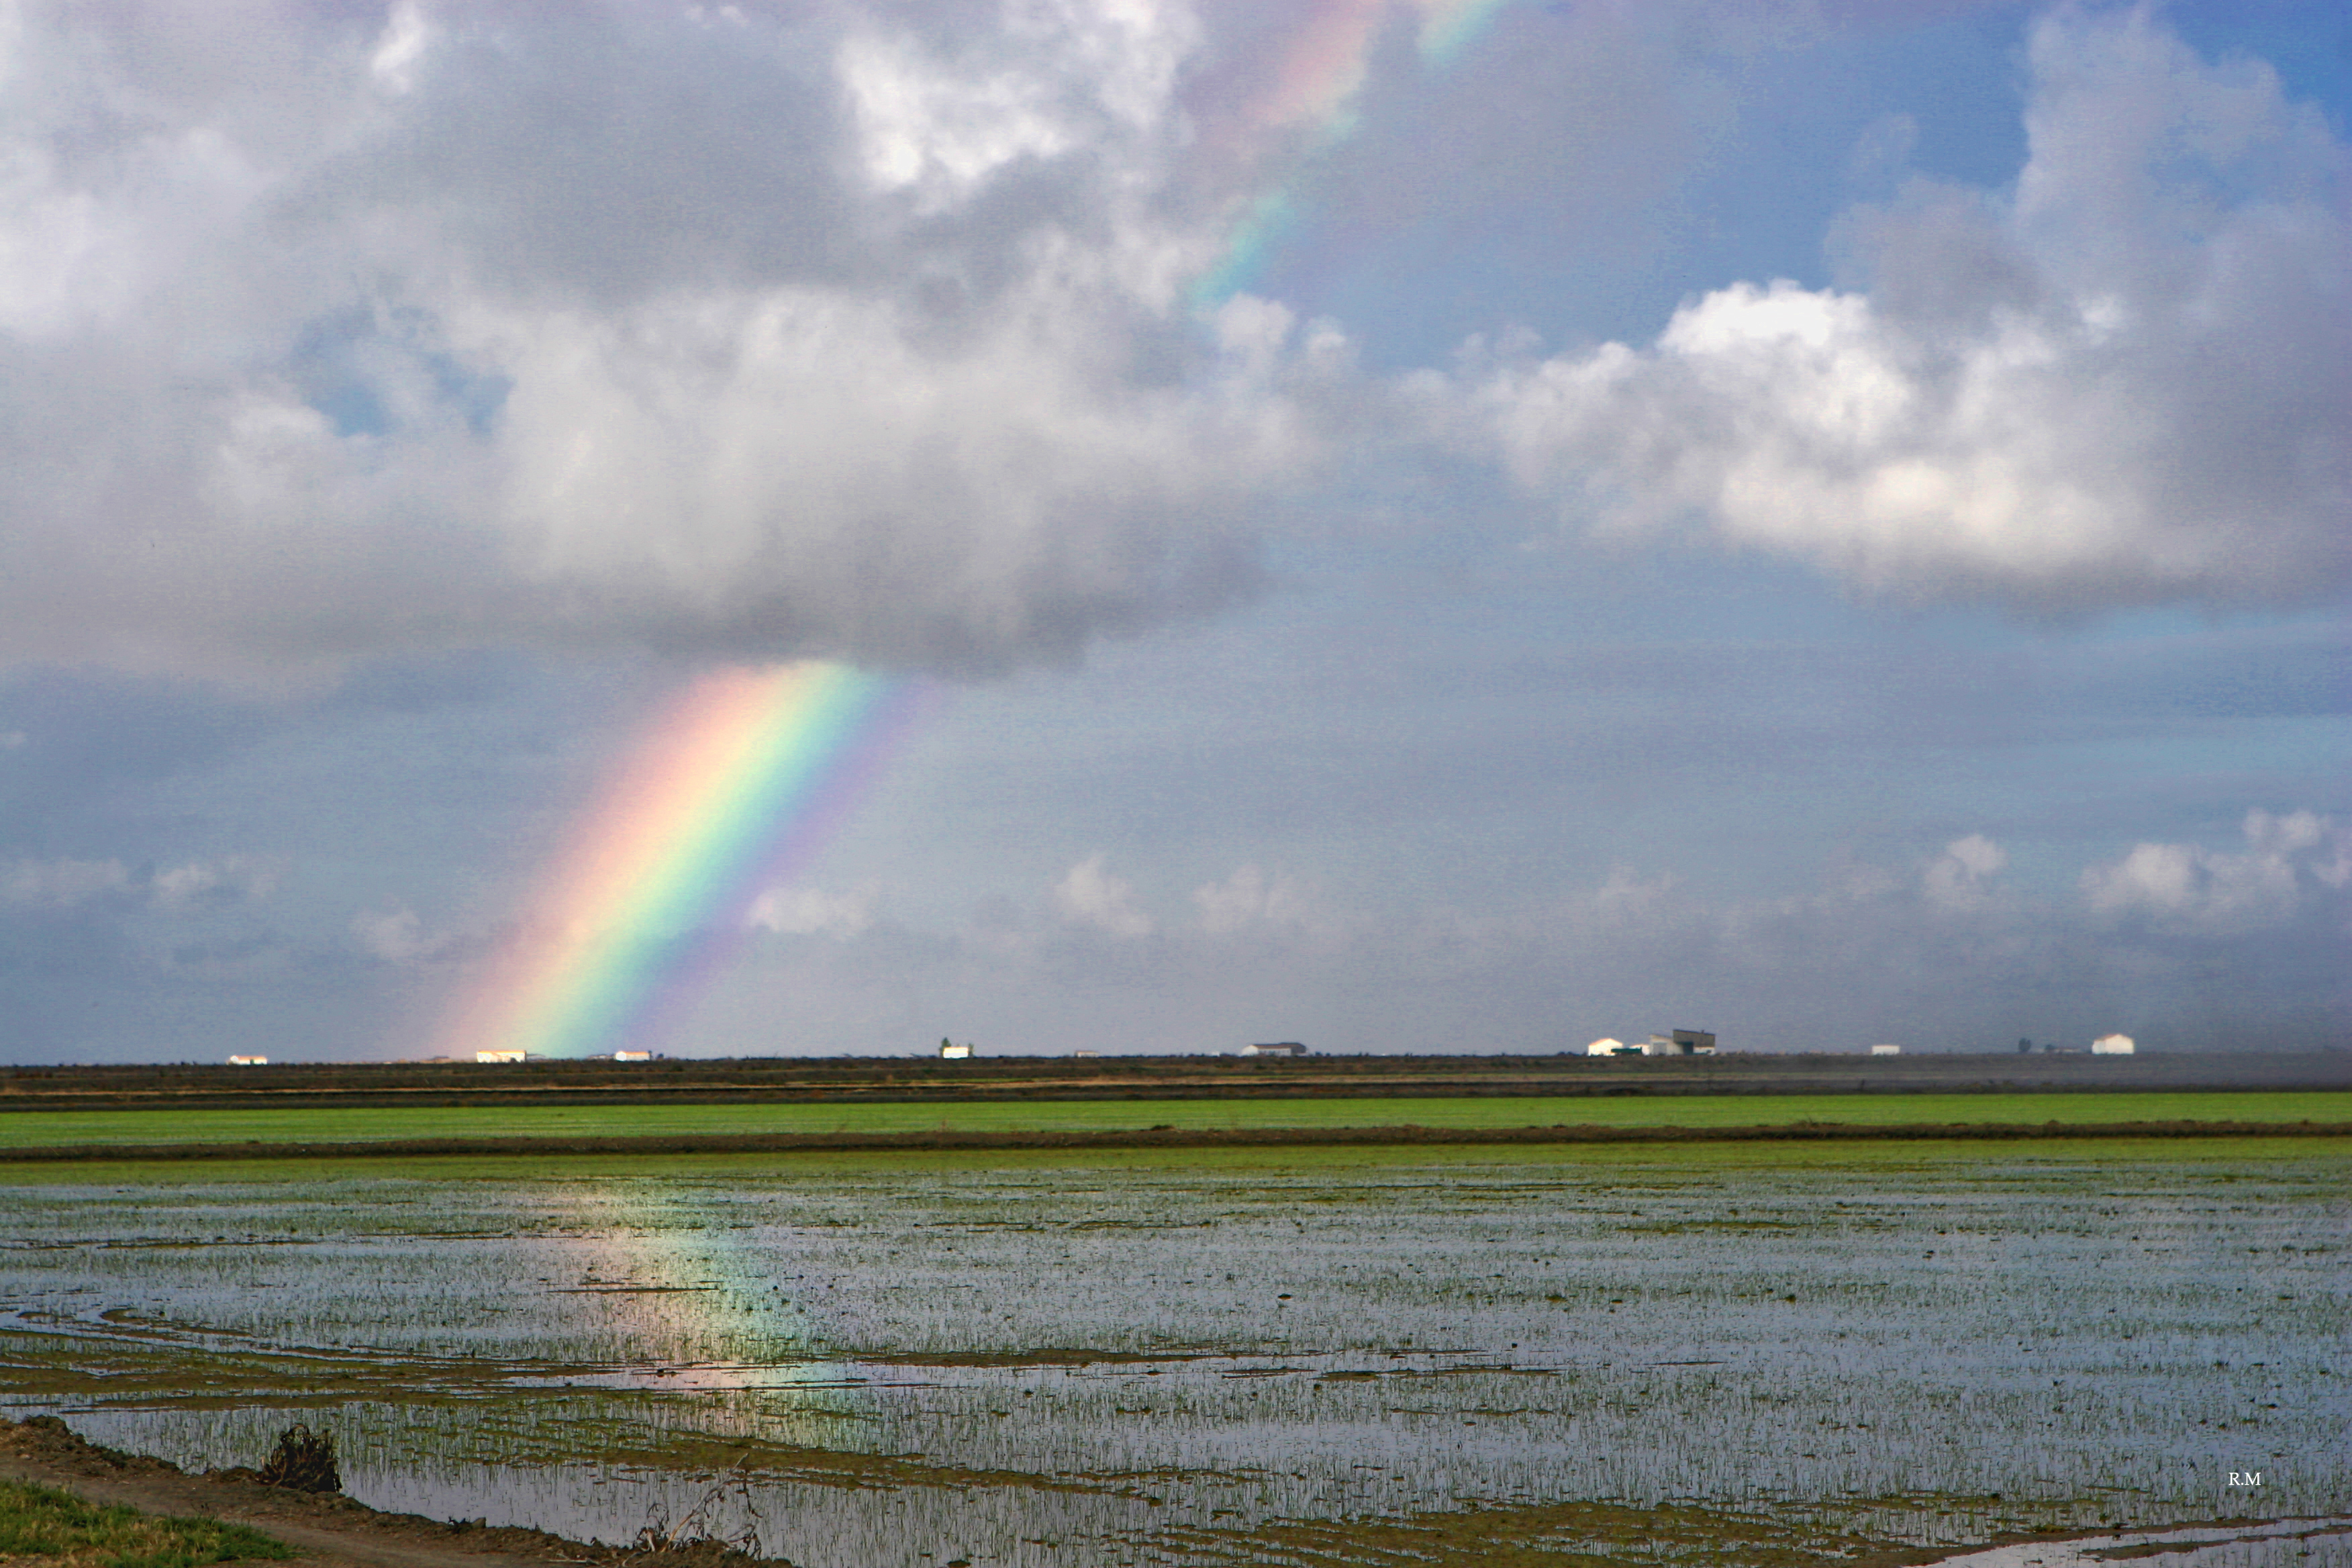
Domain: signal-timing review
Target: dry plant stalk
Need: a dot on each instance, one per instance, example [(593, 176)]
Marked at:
[(303, 1461)]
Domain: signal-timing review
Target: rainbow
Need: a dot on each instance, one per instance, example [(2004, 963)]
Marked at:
[(1314, 92), (1448, 26), (738, 777), (694, 1306)]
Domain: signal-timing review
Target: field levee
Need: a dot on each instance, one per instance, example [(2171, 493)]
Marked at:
[(1158, 1138), (883, 1080)]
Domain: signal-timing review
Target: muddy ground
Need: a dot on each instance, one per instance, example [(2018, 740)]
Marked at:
[(330, 1531), (334, 1531)]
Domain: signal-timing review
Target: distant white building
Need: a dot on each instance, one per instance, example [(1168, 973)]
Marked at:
[(1680, 1043), (2111, 1046), (1279, 1048), (498, 1056), (1605, 1047), (1886, 1050), (633, 1056), (954, 1052), (248, 1061)]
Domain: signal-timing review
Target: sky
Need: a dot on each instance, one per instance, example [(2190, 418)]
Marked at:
[(1404, 525)]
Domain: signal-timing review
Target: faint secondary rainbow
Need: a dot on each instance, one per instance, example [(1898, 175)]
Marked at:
[(1313, 92), (736, 781)]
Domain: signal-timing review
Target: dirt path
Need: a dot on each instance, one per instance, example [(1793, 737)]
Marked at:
[(332, 1532)]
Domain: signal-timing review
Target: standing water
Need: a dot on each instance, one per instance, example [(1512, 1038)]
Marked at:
[(1697, 1354)]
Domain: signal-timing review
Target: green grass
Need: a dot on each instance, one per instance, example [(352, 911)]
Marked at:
[(31, 1129), (1625, 1160), (57, 1527)]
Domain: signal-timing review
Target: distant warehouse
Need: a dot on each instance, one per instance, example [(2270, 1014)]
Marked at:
[(2111, 1046), (1279, 1048), (1677, 1043)]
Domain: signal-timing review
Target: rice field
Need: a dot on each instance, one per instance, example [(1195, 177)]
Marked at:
[(1697, 1354), (28, 1129)]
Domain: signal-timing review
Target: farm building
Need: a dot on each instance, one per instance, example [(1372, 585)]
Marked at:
[(1680, 1043), (2111, 1046), (954, 1052), (487, 1056), (248, 1061), (1886, 1050), (1279, 1048), (1605, 1047)]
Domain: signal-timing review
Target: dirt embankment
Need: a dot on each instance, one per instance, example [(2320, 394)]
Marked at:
[(331, 1531), (1164, 1138), (901, 1080)]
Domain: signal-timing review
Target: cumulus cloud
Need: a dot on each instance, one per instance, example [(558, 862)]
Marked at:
[(1250, 897), (332, 332), (228, 879), (1959, 878), (1089, 896), (329, 332), (872, 331), (813, 912), (2126, 380), (2184, 888), (61, 884), (1870, 953), (397, 936), (187, 887)]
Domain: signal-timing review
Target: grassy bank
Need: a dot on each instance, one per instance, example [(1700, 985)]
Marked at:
[(60, 1531), (1628, 1161), (54, 1129)]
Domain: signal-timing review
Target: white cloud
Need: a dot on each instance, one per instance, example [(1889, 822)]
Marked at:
[(2187, 888), (61, 884), (455, 329), (1247, 898), (1869, 954), (939, 124), (397, 936), (847, 331), (813, 912), (1959, 878), (230, 879), (193, 885), (1088, 895), (2127, 381), (408, 33)]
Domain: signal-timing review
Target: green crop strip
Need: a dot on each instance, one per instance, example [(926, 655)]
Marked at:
[(337, 1125), (1624, 1159)]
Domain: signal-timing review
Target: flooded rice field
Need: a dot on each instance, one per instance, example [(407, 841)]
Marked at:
[(1703, 1355)]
